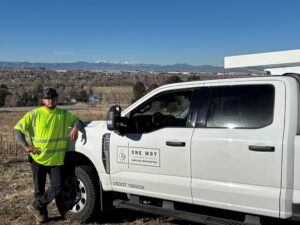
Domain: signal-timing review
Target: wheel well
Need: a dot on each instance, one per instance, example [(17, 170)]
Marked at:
[(73, 159), (76, 158)]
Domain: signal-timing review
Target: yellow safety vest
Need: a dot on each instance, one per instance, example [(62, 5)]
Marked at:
[(48, 131)]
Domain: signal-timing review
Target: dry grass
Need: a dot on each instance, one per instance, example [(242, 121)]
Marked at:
[(10, 150), (8, 120), (90, 114)]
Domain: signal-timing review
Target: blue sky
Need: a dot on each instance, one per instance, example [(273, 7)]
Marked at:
[(197, 32)]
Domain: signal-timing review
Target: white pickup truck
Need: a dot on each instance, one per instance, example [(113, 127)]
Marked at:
[(230, 144)]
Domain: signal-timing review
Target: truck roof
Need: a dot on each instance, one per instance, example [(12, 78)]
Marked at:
[(231, 79)]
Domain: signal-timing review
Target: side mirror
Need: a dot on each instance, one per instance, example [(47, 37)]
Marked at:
[(114, 118)]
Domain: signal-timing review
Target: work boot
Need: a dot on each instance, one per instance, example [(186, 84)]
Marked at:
[(39, 217), (44, 212)]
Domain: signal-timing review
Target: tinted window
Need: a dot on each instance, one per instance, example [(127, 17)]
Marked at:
[(165, 110), (245, 106)]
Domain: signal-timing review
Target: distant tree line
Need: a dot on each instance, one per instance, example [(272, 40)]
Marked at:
[(139, 89), (31, 96), (3, 94), (23, 87)]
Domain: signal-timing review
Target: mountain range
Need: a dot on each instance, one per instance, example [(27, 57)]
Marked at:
[(107, 66)]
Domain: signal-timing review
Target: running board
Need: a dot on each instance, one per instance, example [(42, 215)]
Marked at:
[(182, 215)]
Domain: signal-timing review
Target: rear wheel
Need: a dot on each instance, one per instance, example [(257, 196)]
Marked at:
[(79, 197)]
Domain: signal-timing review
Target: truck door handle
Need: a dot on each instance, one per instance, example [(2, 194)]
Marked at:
[(175, 143), (257, 148)]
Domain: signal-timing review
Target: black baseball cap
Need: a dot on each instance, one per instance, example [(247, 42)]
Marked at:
[(49, 93)]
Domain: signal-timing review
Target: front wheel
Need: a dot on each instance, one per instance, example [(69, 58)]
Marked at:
[(78, 199)]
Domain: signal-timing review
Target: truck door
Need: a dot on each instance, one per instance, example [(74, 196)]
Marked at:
[(236, 149), (153, 156)]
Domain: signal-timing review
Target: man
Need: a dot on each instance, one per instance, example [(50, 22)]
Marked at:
[(48, 130)]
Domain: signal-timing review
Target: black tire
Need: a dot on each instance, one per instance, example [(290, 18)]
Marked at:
[(79, 197)]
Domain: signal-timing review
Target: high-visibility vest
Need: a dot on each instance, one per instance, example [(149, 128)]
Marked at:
[(48, 131)]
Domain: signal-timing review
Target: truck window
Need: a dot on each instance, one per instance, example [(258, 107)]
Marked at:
[(243, 106), (166, 110)]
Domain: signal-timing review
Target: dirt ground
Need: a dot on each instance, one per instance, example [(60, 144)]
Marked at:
[(16, 190)]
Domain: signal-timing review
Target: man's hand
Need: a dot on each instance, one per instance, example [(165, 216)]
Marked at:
[(32, 149), (74, 134)]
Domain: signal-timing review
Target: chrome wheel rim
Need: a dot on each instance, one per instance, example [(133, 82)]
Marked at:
[(81, 198)]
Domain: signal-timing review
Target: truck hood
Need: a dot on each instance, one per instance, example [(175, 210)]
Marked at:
[(90, 136), (101, 124), (97, 128)]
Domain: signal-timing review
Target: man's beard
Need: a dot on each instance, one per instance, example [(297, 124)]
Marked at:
[(50, 107)]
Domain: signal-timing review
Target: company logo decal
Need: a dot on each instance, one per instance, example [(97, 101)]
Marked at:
[(139, 156)]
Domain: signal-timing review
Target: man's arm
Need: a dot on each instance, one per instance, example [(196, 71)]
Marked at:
[(78, 125), (20, 138), (22, 141)]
